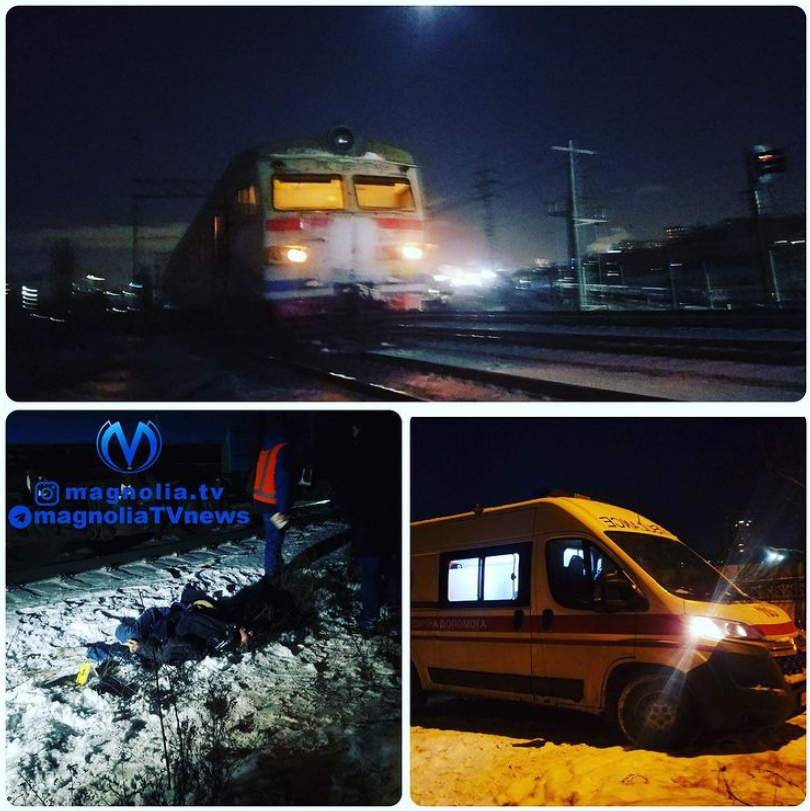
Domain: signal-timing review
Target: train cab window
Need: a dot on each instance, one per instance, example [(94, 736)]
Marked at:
[(308, 193), (495, 576), (581, 575), (384, 193)]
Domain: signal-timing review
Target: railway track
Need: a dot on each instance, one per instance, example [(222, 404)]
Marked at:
[(756, 355), (443, 380), (462, 356), (75, 561), (773, 351)]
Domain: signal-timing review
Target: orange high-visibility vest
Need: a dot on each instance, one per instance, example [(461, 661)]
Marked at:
[(264, 486)]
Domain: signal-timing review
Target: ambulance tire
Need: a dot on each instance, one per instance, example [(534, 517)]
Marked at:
[(655, 712), (418, 695)]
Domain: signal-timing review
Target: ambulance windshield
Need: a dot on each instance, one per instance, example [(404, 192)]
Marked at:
[(678, 569)]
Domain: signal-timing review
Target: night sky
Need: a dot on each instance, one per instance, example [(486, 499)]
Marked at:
[(686, 474), (670, 98)]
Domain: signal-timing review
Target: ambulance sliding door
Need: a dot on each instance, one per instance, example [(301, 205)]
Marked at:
[(586, 620), (485, 621)]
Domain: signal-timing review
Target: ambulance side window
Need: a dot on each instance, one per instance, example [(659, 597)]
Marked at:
[(496, 576), (581, 575), (462, 579)]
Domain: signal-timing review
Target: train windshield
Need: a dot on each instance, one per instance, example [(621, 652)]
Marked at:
[(384, 193), (308, 193), (678, 569)]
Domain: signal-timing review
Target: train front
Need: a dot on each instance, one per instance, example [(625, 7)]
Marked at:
[(344, 228)]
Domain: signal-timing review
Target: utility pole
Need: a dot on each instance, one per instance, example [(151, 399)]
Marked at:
[(574, 221), (145, 189), (762, 163), (486, 194)]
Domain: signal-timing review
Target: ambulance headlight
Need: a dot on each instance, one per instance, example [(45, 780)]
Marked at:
[(297, 255), (717, 629), (412, 252)]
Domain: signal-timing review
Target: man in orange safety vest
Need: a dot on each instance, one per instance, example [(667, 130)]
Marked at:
[(272, 491)]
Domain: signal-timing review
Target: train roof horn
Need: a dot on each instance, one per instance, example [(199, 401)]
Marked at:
[(341, 140)]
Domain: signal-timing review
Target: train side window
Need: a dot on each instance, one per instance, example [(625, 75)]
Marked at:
[(384, 193), (308, 193), (246, 196), (496, 576), (246, 202), (218, 236)]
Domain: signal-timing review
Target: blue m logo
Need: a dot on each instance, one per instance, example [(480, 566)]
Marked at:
[(129, 456)]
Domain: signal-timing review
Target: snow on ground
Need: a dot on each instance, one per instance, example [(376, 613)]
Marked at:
[(312, 717), (471, 752)]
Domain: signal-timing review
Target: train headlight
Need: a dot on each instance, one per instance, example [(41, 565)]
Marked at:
[(297, 255), (412, 252)]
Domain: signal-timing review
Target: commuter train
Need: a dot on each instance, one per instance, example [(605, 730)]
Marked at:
[(305, 227)]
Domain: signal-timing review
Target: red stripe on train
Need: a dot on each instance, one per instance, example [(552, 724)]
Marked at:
[(390, 222), (295, 223)]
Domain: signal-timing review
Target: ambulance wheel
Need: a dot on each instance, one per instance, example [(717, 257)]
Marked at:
[(654, 712), (418, 696)]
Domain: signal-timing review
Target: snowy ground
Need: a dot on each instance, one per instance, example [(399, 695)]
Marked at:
[(471, 752), (311, 718)]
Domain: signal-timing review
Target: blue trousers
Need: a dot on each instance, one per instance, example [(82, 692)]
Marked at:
[(274, 537), (379, 585)]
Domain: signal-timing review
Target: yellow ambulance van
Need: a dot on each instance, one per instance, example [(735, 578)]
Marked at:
[(575, 603)]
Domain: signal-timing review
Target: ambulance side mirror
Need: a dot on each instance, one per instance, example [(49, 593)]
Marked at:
[(619, 594)]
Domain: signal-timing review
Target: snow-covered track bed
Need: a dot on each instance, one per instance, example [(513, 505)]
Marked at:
[(309, 717)]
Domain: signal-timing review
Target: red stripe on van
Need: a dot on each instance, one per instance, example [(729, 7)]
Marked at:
[(776, 630), (390, 222), (627, 624)]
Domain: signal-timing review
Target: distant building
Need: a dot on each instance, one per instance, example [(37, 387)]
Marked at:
[(703, 266)]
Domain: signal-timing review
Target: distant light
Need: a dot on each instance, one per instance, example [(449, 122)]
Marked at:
[(773, 557), (91, 278)]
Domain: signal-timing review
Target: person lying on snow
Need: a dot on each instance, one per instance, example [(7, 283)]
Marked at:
[(197, 626)]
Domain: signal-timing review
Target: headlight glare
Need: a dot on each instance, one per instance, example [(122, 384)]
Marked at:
[(297, 255), (412, 252), (717, 629)]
